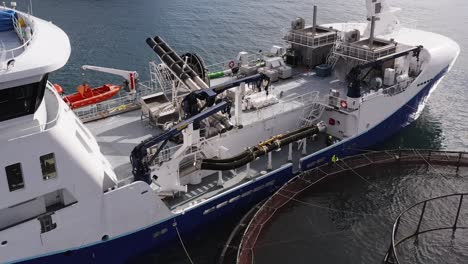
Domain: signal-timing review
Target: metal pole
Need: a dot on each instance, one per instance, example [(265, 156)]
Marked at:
[(270, 162), (290, 152), (220, 178), (304, 146), (372, 32), (458, 212), (458, 162), (421, 218), (314, 25)]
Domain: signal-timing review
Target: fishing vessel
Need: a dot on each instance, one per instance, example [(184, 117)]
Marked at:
[(115, 179)]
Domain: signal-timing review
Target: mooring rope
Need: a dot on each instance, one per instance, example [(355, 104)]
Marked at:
[(359, 175), (331, 209), (182, 243)]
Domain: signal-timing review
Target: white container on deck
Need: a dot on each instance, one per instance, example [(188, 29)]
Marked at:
[(389, 77)]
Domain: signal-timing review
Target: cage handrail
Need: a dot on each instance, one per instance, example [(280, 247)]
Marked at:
[(394, 244)]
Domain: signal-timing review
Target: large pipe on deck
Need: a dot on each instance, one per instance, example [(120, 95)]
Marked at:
[(185, 73), (258, 151), (173, 61)]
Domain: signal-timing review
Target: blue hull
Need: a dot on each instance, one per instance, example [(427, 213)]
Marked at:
[(120, 249)]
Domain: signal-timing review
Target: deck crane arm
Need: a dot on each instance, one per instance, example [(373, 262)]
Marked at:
[(190, 106), (131, 77), (140, 166), (141, 170)]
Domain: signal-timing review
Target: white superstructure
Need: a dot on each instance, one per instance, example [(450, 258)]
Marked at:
[(66, 186)]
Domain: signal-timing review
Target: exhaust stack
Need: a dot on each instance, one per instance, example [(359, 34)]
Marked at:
[(314, 25), (372, 32)]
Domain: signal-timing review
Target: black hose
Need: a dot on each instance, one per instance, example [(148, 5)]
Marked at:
[(258, 151), (240, 156)]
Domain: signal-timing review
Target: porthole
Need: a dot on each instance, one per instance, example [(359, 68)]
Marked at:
[(4, 243), (105, 238)]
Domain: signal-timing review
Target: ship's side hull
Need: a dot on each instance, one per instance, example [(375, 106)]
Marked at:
[(120, 249)]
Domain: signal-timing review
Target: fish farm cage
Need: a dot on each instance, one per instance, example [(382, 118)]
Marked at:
[(455, 204), (241, 244)]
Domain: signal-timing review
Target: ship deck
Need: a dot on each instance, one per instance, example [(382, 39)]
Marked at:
[(10, 40), (118, 135)]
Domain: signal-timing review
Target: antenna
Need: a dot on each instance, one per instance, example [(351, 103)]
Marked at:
[(31, 7)]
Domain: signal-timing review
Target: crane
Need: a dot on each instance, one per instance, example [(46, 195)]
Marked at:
[(194, 115), (131, 77), (141, 169), (354, 80)]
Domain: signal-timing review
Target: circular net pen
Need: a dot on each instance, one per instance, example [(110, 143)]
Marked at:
[(415, 218), (429, 223)]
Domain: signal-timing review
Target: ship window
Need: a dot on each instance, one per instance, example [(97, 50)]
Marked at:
[(46, 223), (21, 100), (49, 170), (14, 177)]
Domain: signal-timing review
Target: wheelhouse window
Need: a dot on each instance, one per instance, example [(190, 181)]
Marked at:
[(14, 177), (21, 100), (49, 170)]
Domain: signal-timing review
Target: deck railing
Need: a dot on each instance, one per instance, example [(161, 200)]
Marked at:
[(123, 103), (6, 55), (252, 58), (365, 54), (307, 39)]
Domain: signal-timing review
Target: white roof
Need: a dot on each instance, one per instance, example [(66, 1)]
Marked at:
[(48, 50)]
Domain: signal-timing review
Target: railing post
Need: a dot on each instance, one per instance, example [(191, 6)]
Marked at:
[(458, 212), (458, 161), (421, 218)]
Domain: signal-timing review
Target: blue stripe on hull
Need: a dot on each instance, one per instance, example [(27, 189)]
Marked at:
[(157, 236)]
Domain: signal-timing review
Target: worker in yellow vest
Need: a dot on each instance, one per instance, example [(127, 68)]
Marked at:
[(335, 159)]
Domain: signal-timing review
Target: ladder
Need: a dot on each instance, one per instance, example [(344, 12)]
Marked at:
[(333, 57), (311, 115), (161, 77)]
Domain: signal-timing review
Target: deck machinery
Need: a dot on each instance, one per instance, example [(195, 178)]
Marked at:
[(361, 67)]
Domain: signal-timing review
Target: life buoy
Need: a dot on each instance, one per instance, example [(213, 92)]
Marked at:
[(344, 104), (232, 64)]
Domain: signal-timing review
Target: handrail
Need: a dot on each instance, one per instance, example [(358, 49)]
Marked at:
[(23, 46), (224, 65), (304, 39), (392, 256), (114, 106), (44, 127)]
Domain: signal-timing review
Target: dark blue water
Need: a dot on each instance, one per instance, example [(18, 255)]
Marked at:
[(112, 33)]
